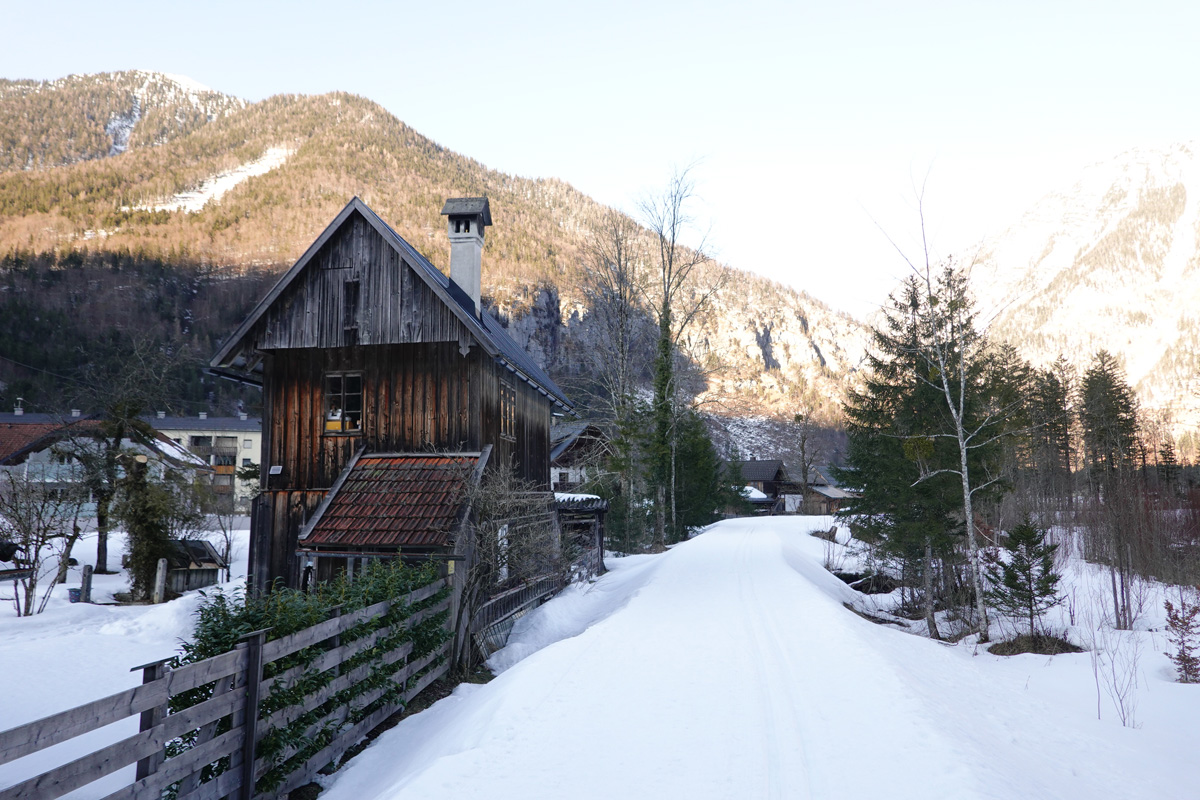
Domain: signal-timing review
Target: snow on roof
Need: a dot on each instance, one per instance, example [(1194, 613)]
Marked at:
[(176, 452), (750, 493)]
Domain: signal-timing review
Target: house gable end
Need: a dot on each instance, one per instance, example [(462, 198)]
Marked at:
[(357, 289)]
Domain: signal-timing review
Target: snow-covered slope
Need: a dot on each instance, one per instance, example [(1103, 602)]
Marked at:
[(730, 668), (1111, 263)]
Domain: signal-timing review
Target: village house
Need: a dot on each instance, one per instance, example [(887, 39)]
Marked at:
[(386, 392), (768, 477), (40, 447), (226, 444), (576, 450), (823, 495)]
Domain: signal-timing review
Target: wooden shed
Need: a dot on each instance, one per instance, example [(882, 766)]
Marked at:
[(366, 351)]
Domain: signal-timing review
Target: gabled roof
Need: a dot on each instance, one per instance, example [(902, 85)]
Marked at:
[(832, 492), (21, 435), (184, 553), (565, 434), (762, 469), (394, 501), (484, 329)]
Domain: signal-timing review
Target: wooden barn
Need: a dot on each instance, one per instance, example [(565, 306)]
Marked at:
[(384, 388)]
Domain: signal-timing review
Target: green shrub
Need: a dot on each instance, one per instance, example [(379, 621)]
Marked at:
[(224, 619)]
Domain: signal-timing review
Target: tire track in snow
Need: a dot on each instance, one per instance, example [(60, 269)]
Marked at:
[(773, 671)]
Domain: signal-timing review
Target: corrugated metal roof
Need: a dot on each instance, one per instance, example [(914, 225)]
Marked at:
[(395, 501)]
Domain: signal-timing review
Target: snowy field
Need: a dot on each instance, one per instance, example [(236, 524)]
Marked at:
[(728, 667), (74, 653)]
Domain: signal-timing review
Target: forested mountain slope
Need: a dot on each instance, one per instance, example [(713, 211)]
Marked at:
[(1112, 263), (276, 172)]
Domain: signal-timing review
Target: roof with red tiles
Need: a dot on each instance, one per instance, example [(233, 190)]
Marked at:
[(394, 502), (18, 439)]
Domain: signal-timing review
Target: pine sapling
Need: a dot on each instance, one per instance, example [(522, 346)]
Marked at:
[(1183, 632), (1025, 583)]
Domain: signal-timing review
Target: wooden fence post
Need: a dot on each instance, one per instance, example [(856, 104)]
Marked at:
[(85, 588), (160, 582), (152, 717), (254, 675)]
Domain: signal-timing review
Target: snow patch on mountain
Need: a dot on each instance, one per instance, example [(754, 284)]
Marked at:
[(216, 186)]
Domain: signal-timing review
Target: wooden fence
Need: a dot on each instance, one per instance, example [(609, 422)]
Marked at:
[(235, 685), (492, 623)]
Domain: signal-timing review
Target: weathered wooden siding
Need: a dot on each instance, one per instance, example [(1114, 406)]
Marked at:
[(529, 453), (415, 399), (273, 533), (391, 304)]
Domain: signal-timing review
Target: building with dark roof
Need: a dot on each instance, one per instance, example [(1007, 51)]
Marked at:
[(226, 444), (576, 449), (376, 370)]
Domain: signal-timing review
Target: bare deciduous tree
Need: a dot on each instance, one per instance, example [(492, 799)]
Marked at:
[(677, 300), (37, 514)]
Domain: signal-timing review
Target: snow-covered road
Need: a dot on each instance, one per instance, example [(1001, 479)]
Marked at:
[(729, 668)]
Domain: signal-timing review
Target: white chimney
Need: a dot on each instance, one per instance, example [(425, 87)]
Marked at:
[(466, 219), (203, 415), (243, 415), (75, 412), (161, 414), (18, 411)]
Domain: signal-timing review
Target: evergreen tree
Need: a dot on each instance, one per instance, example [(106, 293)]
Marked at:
[(892, 449), (1168, 467), (701, 490), (1108, 418), (1183, 632), (1050, 428), (145, 508), (1025, 583)]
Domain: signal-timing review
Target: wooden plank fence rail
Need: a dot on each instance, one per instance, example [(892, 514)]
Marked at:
[(238, 688), (508, 603)]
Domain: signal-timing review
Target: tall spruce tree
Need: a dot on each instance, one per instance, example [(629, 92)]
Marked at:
[(1108, 418), (892, 447)]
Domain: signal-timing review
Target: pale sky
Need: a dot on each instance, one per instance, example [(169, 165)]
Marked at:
[(809, 123)]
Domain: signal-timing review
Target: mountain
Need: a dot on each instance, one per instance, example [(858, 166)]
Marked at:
[(1111, 263), (47, 124), (158, 167)]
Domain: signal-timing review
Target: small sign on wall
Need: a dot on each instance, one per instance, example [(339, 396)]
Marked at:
[(275, 470)]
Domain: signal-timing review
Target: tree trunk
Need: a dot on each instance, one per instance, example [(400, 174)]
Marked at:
[(927, 581), (660, 519), (103, 501), (972, 540)]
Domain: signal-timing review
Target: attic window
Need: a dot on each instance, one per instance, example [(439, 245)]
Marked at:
[(508, 411), (343, 402), (350, 313)]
